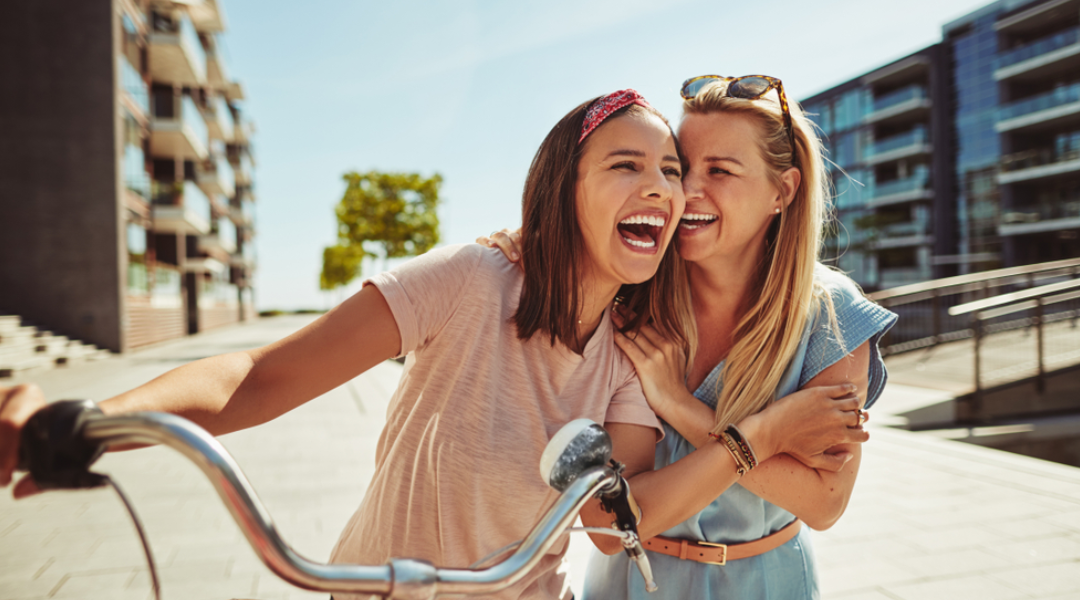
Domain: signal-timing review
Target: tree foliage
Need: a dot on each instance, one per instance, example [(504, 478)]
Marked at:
[(381, 215)]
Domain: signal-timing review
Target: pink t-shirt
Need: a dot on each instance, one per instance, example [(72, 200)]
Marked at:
[(457, 467)]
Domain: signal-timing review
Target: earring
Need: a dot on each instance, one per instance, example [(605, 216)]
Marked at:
[(777, 210)]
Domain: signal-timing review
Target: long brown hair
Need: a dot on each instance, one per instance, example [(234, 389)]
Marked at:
[(784, 292), (553, 246)]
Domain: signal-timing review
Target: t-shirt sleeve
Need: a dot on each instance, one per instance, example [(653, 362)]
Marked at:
[(628, 405), (424, 292), (860, 320)]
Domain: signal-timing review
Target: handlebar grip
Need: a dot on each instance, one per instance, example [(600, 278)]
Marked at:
[(52, 449)]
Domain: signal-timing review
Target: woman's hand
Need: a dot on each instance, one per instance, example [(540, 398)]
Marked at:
[(17, 405), (807, 423), (660, 365), (507, 241)]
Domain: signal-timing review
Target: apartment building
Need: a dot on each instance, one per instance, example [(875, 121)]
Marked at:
[(885, 137), (963, 156), (126, 203)]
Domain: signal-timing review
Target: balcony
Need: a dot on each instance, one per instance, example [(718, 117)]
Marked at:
[(235, 91), (217, 71), (241, 162), (907, 103), (207, 15), (1041, 59), (903, 235), (219, 119), (899, 191), (178, 133), (203, 264), (215, 176), (180, 209), (241, 213), (175, 52), (133, 84), (906, 145), (136, 179), (1039, 163), (1041, 218), (1045, 112)]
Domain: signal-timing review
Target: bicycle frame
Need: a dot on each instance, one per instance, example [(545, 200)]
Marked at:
[(402, 578)]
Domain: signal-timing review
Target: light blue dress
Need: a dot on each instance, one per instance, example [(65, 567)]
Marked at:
[(738, 515)]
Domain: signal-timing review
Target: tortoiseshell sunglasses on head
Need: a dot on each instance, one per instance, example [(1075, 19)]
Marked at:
[(747, 87)]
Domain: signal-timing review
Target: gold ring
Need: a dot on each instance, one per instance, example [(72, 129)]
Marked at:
[(863, 416)]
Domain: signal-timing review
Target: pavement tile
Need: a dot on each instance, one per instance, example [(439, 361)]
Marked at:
[(958, 562), (868, 573), (1019, 529), (978, 586), (1051, 549), (1043, 580), (865, 595)]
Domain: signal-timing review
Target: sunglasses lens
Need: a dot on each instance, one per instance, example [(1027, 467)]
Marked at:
[(692, 88), (748, 87)]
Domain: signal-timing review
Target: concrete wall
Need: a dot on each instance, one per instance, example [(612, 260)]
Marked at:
[(60, 218)]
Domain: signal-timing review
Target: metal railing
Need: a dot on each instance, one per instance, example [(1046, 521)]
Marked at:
[(925, 320), (910, 138), (1050, 310), (1038, 48), (1057, 97), (1037, 157), (900, 96)]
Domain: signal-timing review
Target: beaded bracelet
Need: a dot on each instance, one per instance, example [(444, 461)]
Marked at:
[(743, 443), (742, 465)]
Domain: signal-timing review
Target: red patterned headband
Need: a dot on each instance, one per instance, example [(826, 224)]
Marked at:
[(603, 107)]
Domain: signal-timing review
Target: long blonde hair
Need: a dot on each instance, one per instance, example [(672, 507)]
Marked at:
[(768, 335)]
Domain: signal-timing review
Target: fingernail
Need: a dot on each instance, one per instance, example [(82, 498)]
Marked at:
[(851, 387)]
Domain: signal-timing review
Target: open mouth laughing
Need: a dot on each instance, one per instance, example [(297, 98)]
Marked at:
[(642, 232), (694, 222)]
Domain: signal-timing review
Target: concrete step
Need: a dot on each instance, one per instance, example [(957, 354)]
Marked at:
[(18, 334), (14, 367), (9, 323), (24, 348)]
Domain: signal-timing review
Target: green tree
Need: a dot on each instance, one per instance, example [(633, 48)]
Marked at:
[(381, 216)]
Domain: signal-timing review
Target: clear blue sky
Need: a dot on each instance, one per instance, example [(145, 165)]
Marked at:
[(468, 89)]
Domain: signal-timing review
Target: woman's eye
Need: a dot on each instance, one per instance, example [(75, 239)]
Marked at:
[(625, 165), (673, 172), (718, 171)]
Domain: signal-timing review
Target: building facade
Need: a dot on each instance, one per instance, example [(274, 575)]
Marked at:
[(126, 204), (964, 156)]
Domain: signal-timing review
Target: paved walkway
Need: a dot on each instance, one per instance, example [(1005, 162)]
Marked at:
[(929, 518)]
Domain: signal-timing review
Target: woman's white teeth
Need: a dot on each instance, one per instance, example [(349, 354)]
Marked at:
[(644, 220), (648, 244), (698, 217), (696, 220)]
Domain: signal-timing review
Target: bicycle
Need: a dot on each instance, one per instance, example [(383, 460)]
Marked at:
[(60, 443)]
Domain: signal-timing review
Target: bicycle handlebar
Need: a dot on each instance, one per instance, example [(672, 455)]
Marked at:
[(402, 578)]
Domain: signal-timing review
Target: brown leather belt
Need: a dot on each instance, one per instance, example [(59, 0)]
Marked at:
[(719, 554)]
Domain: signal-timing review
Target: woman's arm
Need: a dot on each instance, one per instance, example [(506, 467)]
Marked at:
[(239, 390), (806, 422), (234, 391), (818, 495)]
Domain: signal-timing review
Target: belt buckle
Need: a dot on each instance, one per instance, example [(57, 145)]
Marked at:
[(723, 560)]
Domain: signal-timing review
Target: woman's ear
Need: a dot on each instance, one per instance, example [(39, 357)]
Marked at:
[(789, 185)]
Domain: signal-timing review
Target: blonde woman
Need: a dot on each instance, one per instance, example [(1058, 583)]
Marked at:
[(770, 320)]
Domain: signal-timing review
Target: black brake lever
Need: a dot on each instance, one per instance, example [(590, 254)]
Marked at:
[(620, 503), (52, 449)]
